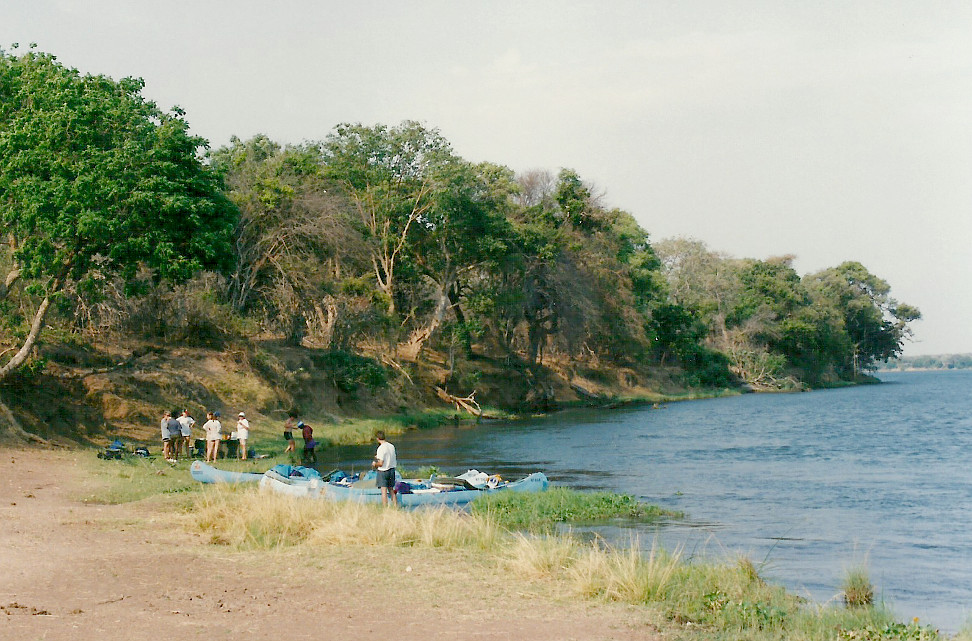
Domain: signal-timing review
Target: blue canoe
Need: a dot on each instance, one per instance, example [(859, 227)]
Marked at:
[(435, 494), (292, 480), (209, 474)]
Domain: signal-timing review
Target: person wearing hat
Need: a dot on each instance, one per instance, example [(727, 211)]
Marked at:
[(242, 433), (214, 434), (309, 443)]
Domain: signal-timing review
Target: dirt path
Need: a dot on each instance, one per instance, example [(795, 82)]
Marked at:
[(74, 571)]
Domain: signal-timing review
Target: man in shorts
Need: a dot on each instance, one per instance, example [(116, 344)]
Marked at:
[(385, 462), (166, 435), (289, 425), (171, 435)]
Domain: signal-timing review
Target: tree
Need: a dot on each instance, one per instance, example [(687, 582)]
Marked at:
[(97, 180), (292, 237), (389, 174), (875, 323), (465, 228)]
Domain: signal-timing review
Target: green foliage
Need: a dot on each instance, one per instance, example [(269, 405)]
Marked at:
[(772, 324), (941, 361), (542, 510), (383, 235), (26, 375), (889, 632), (349, 371), (875, 324), (95, 177)]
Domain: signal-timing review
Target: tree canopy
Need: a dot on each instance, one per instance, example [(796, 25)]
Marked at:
[(382, 240), (95, 180)]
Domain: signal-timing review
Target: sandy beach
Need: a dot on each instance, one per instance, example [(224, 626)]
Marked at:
[(78, 571)]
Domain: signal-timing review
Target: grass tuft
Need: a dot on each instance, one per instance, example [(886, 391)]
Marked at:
[(857, 589)]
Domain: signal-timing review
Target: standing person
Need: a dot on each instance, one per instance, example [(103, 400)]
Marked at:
[(175, 436), (385, 462), (289, 425), (242, 433), (185, 423), (214, 434), (309, 443), (166, 435)]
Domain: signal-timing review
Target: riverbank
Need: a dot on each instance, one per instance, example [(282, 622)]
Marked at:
[(80, 571), (207, 561)]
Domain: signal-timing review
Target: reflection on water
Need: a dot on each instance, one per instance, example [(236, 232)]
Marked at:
[(806, 485)]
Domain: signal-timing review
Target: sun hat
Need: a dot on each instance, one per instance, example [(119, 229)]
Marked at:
[(242, 414)]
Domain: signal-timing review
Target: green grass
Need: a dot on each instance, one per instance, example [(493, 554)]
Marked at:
[(133, 479), (542, 511)]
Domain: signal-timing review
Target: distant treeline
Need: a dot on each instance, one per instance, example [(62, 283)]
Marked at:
[(941, 361), (380, 242)]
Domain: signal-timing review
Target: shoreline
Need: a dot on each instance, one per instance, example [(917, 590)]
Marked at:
[(223, 584)]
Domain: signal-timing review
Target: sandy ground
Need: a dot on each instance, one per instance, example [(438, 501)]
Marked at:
[(70, 570)]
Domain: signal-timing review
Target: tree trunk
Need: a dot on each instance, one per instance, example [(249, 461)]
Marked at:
[(411, 348), (10, 425), (35, 328), (461, 319), (12, 277)]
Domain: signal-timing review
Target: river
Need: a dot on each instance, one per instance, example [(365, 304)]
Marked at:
[(806, 485)]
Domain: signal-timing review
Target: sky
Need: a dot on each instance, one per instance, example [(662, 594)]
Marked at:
[(827, 130)]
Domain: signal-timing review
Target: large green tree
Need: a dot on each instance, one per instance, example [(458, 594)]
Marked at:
[(461, 236), (97, 180), (875, 324), (390, 175)]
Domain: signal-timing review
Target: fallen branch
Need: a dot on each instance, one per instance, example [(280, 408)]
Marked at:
[(393, 364), (467, 403)]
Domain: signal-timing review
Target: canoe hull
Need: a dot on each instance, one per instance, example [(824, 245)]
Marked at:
[(209, 474), (536, 482), (275, 482)]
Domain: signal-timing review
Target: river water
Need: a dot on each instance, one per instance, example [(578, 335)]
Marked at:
[(806, 485)]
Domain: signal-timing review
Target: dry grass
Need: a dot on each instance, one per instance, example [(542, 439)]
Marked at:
[(247, 518), (722, 600)]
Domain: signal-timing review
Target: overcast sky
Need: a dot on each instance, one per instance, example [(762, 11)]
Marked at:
[(829, 130)]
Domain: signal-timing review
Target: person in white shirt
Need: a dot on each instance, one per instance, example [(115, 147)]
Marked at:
[(242, 433), (214, 434), (185, 423), (385, 462)]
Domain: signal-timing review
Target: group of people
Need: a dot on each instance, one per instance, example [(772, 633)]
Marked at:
[(306, 432), (177, 435), (384, 462)]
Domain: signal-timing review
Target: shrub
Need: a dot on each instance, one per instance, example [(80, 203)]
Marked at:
[(349, 371)]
